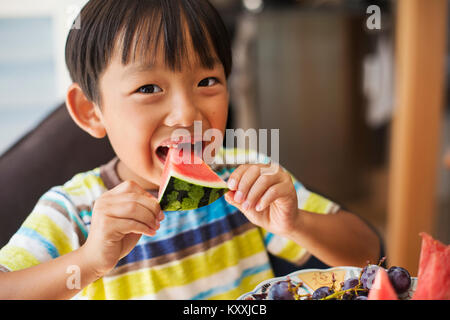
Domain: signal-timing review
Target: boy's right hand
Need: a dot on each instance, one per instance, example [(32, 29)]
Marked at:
[(120, 217)]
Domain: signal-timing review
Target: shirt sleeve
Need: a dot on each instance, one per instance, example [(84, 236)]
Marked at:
[(52, 229)]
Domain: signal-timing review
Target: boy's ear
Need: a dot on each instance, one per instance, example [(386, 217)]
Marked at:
[(84, 112)]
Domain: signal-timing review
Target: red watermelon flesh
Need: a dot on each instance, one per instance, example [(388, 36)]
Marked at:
[(187, 182), (382, 288), (433, 280)]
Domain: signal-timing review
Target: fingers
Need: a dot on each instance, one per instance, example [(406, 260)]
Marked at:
[(250, 183), (233, 180), (264, 184), (132, 210), (146, 202), (129, 201), (111, 221), (271, 194), (245, 180), (128, 186), (127, 226)]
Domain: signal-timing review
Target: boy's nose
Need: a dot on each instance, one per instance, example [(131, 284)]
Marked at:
[(183, 112)]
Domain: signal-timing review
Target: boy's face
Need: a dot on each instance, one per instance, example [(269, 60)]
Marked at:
[(141, 107)]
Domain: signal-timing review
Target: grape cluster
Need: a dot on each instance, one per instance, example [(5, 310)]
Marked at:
[(280, 291), (358, 288), (321, 293), (350, 289)]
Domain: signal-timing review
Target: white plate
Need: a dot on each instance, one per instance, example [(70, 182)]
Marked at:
[(316, 278)]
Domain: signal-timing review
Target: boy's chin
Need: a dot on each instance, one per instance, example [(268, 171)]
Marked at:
[(148, 178)]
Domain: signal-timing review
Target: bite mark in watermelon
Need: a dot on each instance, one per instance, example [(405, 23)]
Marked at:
[(187, 185), (433, 279), (382, 288)]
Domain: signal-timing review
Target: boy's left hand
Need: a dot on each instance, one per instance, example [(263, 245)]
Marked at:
[(267, 200)]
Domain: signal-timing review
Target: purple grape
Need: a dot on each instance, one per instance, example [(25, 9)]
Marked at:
[(361, 298), (352, 296), (350, 283), (259, 296), (363, 293), (280, 291), (321, 293), (368, 275), (353, 283), (348, 296), (400, 279)]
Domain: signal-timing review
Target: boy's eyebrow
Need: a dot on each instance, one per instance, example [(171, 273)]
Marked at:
[(136, 68)]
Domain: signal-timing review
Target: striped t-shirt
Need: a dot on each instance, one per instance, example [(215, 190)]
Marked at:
[(212, 252)]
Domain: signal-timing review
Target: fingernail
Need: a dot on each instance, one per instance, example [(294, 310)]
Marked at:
[(245, 205), (258, 207), (161, 215), (232, 184), (238, 197)]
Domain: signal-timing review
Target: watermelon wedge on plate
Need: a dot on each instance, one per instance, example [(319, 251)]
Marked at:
[(434, 270), (382, 288), (188, 182)]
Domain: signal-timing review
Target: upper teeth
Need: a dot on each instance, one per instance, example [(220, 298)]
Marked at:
[(174, 145)]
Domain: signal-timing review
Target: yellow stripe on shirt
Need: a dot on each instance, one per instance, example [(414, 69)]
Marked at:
[(82, 181), (22, 258), (316, 204), (248, 284), (48, 229), (150, 281), (95, 290), (291, 251)]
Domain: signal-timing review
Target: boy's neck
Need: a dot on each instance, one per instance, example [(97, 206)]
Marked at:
[(125, 173)]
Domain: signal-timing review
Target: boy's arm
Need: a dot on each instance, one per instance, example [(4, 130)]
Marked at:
[(60, 278), (120, 217), (340, 239), (271, 202)]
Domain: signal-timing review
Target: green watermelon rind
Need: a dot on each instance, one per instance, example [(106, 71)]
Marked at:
[(180, 195)]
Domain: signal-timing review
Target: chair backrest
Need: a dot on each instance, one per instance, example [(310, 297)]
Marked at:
[(47, 156)]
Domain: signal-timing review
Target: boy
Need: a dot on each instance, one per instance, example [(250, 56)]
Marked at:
[(142, 69)]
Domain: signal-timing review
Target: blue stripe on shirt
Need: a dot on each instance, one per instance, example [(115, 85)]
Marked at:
[(185, 239), (176, 222), (268, 238), (30, 233), (62, 204)]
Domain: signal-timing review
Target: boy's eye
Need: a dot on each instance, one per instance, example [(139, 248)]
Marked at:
[(149, 88), (207, 82)]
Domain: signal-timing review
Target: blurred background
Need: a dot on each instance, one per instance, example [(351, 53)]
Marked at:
[(358, 90)]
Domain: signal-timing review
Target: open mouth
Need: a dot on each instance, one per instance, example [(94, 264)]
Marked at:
[(163, 150)]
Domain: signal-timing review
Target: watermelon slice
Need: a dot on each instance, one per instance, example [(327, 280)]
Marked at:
[(382, 288), (187, 185), (433, 281)]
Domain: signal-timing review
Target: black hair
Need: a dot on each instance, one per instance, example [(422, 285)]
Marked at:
[(135, 28)]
